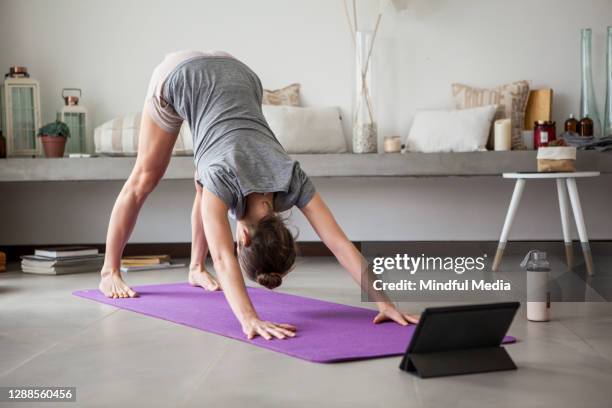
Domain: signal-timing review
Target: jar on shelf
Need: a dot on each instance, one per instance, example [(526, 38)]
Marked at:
[(572, 125), (392, 144), (544, 132), (587, 127)]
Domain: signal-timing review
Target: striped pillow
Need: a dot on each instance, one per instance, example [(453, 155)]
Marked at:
[(287, 96), (119, 137), (511, 100)]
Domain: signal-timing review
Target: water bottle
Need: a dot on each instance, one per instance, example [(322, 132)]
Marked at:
[(538, 292)]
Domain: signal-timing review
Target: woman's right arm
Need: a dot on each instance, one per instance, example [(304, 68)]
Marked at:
[(221, 245), (325, 225)]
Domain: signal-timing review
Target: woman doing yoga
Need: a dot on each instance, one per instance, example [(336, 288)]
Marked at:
[(240, 168)]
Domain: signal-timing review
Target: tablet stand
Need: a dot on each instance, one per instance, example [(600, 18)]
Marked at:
[(454, 362)]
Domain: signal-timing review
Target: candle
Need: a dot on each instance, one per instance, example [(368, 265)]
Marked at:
[(392, 144), (503, 134)]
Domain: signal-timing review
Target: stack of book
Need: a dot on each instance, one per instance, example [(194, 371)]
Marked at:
[(62, 260), (2, 262), (146, 262)]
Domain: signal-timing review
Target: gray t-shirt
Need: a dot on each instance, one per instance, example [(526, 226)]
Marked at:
[(235, 151)]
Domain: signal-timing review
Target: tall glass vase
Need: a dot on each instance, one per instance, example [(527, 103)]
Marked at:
[(365, 128), (608, 109), (588, 105)]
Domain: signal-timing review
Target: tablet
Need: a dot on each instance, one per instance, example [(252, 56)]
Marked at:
[(460, 339)]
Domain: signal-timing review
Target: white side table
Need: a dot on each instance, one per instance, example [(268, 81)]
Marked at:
[(562, 180)]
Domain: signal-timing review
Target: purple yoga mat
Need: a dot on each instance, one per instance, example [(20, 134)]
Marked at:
[(327, 332)]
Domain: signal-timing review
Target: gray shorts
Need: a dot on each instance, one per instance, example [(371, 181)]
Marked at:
[(162, 113)]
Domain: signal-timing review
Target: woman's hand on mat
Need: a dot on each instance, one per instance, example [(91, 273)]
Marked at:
[(389, 312), (113, 286), (255, 327)]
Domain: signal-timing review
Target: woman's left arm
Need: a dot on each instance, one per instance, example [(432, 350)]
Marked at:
[(325, 225)]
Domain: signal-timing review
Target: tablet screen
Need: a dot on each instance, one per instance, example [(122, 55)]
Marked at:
[(462, 327)]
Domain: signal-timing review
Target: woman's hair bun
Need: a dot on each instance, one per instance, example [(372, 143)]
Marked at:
[(269, 280)]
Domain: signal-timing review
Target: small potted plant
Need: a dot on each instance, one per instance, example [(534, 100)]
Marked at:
[(53, 136)]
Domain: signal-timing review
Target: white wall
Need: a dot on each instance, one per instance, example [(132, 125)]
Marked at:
[(109, 47), (409, 209)]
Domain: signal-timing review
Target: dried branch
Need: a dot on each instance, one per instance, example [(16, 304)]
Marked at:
[(355, 15), (350, 24), (372, 42)]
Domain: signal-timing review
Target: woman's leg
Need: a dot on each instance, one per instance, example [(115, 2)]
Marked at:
[(198, 275), (154, 153)]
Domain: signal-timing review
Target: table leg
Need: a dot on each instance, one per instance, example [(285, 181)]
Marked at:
[(578, 217), (514, 202), (565, 222)]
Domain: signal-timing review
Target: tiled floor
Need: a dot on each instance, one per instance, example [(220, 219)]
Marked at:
[(116, 357)]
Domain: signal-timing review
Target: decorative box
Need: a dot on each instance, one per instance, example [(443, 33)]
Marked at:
[(557, 159)]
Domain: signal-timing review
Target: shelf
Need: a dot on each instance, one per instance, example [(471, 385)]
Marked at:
[(316, 165)]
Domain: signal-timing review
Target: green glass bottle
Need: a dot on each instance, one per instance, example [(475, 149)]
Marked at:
[(588, 104), (608, 108)]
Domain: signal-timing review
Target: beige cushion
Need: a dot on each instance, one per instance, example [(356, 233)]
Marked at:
[(288, 96), (461, 130), (307, 130), (119, 137), (511, 100)]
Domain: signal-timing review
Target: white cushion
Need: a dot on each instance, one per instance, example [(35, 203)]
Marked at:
[(119, 137), (307, 130), (464, 130)]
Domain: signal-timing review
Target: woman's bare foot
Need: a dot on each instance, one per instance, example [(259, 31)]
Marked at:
[(113, 286), (200, 277)]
